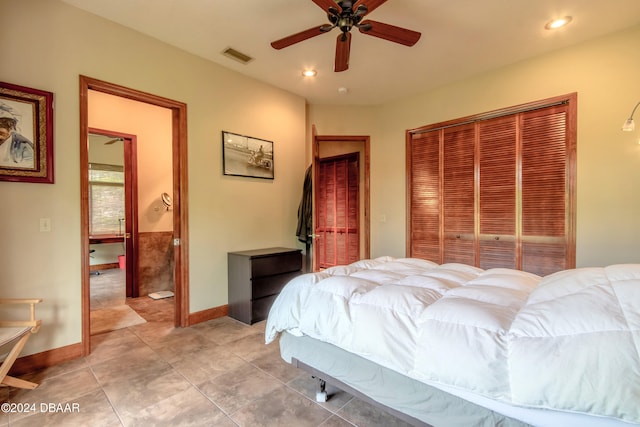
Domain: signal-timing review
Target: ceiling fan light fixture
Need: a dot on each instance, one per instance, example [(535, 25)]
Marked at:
[(558, 23), (345, 24), (361, 10), (365, 27), (333, 13)]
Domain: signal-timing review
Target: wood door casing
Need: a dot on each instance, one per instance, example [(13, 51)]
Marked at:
[(496, 189), (357, 143), (337, 225), (180, 197), (130, 156)]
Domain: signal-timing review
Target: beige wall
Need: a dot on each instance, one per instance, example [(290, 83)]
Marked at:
[(603, 72), (225, 213), (152, 127)]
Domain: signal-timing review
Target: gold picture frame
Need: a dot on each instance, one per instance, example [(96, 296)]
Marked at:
[(26, 134)]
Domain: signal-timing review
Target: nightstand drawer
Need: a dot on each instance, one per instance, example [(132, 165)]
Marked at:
[(260, 308), (277, 264), (264, 286)]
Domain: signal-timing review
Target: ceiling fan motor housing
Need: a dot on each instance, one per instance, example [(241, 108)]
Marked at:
[(347, 18)]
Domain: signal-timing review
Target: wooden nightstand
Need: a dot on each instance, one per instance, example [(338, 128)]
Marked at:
[(256, 277)]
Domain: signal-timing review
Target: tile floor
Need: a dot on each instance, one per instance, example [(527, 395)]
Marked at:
[(107, 288), (216, 373)]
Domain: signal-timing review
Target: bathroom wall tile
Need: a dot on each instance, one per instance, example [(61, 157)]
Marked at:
[(155, 262)]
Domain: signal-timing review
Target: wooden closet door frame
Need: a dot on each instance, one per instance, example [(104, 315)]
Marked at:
[(366, 221), (571, 153)]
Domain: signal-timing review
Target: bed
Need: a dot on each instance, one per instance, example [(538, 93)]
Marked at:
[(455, 345)]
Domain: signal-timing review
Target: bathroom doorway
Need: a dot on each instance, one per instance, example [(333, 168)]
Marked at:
[(112, 205), (178, 195)]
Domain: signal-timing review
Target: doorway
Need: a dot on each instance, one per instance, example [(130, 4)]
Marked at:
[(350, 152), (113, 203), (179, 213), (337, 227)]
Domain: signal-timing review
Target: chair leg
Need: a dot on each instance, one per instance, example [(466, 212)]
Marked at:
[(17, 382), (8, 363)]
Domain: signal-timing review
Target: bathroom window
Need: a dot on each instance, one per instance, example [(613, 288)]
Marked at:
[(106, 199)]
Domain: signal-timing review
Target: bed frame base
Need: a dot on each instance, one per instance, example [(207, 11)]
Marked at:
[(321, 394)]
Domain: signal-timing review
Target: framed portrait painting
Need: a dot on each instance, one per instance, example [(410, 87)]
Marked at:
[(246, 156), (26, 134)]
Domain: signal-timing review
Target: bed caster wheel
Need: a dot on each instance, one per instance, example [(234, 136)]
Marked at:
[(321, 392)]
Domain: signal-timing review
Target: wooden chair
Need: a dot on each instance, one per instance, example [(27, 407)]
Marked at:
[(16, 333)]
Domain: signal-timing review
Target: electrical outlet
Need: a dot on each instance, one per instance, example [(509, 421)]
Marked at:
[(45, 224)]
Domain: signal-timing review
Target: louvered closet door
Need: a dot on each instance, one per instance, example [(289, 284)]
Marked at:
[(424, 196), (544, 191), (501, 189), (458, 194), (325, 214), (497, 146), (338, 212)]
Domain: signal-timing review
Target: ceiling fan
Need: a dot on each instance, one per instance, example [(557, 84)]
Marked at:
[(113, 141), (346, 14)]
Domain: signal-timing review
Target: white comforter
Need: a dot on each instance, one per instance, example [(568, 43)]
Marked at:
[(568, 341)]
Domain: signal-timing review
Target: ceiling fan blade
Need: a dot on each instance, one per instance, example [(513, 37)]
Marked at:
[(371, 4), (343, 48), (326, 4), (298, 37), (390, 32)]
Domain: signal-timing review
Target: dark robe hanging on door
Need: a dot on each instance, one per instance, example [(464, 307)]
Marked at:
[(305, 219)]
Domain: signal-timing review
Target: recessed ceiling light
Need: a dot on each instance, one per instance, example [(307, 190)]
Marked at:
[(557, 23), (309, 73)]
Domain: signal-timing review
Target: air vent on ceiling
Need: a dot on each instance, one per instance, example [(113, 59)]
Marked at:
[(238, 56)]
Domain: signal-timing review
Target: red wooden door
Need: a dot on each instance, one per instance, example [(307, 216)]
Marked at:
[(337, 223)]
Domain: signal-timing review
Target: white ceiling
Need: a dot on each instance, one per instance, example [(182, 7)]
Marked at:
[(460, 38)]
